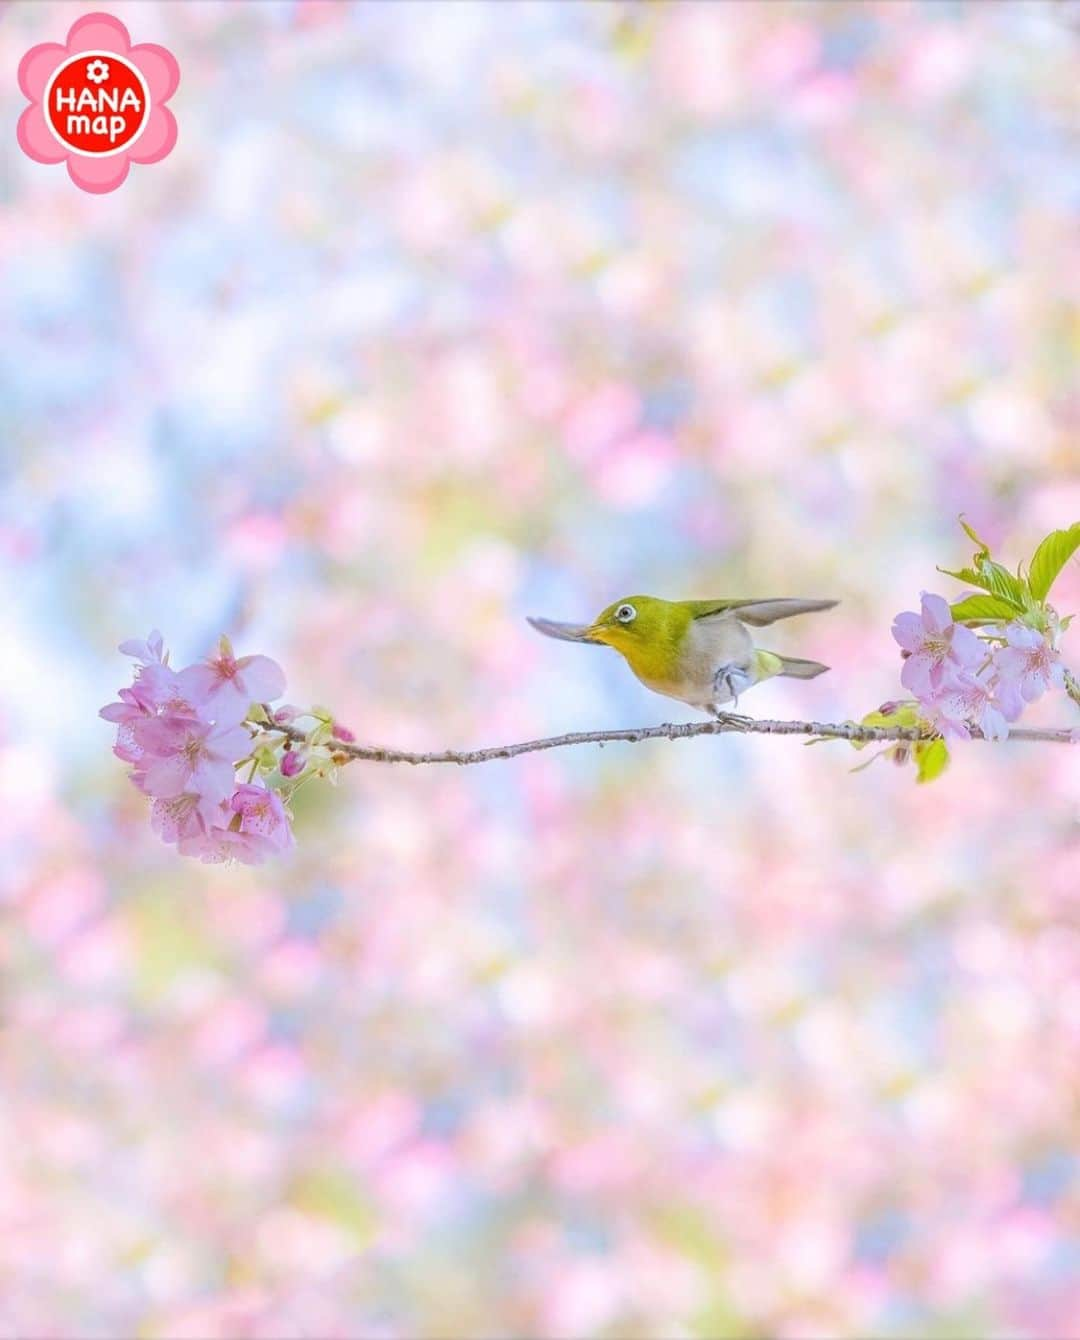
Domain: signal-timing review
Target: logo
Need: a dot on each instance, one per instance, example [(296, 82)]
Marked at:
[(97, 103)]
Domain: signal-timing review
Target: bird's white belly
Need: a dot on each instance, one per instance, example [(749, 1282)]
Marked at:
[(712, 645)]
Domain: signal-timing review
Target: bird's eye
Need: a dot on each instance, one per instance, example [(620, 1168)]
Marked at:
[(625, 613)]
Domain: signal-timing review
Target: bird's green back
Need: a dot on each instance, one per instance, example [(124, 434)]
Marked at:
[(700, 609)]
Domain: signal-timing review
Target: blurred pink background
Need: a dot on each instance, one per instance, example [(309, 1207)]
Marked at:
[(440, 315)]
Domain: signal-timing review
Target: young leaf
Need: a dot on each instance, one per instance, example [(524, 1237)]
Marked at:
[(1000, 582), (931, 759), (968, 576), (861, 767), (991, 577), (984, 548), (982, 609), (1050, 557)]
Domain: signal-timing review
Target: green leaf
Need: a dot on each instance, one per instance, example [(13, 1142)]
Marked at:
[(992, 578), (968, 576), (982, 609), (984, 548), (1050, 557), (903, 714), (988, 575), (1000, 582), (931, 759)]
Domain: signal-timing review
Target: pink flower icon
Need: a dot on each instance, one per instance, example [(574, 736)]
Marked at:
[(97, 115)]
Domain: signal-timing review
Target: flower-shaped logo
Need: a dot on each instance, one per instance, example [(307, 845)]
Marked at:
[(97, 102)]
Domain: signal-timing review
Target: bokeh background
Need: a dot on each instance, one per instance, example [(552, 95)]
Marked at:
[(440, 315)]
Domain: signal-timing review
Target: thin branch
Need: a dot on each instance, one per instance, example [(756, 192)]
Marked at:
[(724, 725)]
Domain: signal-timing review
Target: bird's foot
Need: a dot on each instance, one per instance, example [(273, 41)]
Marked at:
[(729, 680), (732, 719)]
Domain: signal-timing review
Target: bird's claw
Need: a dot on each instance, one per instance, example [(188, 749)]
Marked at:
[(730, 718), (730, 678)]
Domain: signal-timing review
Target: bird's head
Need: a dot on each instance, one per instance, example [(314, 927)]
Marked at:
[(631, 625)]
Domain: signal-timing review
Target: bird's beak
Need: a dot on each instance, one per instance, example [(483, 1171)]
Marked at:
[(565, 632)]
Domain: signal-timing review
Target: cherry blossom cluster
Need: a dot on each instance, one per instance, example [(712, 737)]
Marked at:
[(978, 662), (196, 748), (961, 679)]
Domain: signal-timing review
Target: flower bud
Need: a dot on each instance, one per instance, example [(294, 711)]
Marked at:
[(293, 763)]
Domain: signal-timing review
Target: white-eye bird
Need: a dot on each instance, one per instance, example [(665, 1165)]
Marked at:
[(699, 651)]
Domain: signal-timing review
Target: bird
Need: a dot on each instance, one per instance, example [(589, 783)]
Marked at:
[(701, 652)]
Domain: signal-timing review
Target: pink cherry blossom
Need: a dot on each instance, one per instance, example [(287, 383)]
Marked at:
[(156, 685), (183, 754), (154, 693), (1030, 662), (261, 812), (972, 699), (934, 645), (149, 651), (132, 708), (257, 830), (160, 74), (177, 818), (223, 688), (214, 846), (182, 733)]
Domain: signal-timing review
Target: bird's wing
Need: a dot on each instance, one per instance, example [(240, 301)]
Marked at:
[(758, 613)]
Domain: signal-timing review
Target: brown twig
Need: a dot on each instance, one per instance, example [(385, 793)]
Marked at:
[(725, 725)]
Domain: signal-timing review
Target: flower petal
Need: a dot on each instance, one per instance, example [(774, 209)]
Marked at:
[(1010, 701), (993, 725), (157, 139), (159, 68), (213, 779), (908, 630), (166, 777), (35, 138), (936, 615), (98, 175), (1032, 686), (953, 729), (915, 675), (228, 703), (36, 67), (196, 682), (967, 647), (223, 844), (231, 744), (98, 32), (135, 647), (263, 678)]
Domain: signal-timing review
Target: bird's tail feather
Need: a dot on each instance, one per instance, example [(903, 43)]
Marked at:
[(796, 668)]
